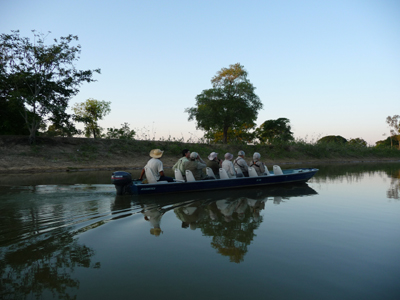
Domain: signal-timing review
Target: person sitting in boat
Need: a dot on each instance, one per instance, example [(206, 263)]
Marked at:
[(179, 164), (214, 163), (242, 164), (153, 215), (156, 165), (227, 165), (257, 164), (195, 165)]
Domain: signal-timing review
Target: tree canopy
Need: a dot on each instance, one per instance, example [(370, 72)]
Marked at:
[(358, 142), (336, 139), (42, 78), (123, 133), (275, 131), (89, 113), (229, 104), (389, 142), (239, 135), (12, 121)]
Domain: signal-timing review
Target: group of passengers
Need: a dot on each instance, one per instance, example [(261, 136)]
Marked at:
[(240, 168), (193, 162)]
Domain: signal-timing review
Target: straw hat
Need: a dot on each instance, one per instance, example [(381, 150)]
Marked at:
[(155, 231), (212, 155), (156, 153)]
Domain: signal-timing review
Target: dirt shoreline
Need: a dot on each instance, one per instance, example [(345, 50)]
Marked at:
[(80, 154), (138, 164)]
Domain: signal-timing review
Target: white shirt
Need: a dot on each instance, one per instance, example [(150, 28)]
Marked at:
[(156, 165), (228, 166)]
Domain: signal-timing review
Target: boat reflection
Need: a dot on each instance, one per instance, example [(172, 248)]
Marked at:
[(228, 217)]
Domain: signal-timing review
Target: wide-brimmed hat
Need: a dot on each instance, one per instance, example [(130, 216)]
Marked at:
[(241, 152), (155, 231), (194, 155), (212, 155), (156, 153)]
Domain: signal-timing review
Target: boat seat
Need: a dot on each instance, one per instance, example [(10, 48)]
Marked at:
[(178, 175), (277, 170), (189, 176), (252, 172), (266, 171), (151, 177), (210, 172), (223, 174), (239, 172)]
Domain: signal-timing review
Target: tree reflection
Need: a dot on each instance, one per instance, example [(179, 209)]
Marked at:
[(38, 256), (394, 190), (230, 223), (354, 172), (33, 266)]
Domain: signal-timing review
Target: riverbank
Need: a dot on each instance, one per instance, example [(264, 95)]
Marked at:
[(81, 154)]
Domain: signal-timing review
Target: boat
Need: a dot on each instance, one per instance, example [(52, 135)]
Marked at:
[(125, 185)]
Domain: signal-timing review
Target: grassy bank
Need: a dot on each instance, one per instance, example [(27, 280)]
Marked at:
[(80, 153)]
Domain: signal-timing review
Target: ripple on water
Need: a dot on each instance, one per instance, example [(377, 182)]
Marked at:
[(30, 211)]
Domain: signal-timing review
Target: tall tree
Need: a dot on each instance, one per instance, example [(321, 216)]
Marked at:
[(90, 112), (394, 124), (42, 78), (229, 104), (275, 130)]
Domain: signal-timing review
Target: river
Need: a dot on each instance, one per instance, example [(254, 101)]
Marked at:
[(68, 236)]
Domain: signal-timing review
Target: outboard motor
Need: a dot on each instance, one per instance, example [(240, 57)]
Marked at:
[(122, 181)]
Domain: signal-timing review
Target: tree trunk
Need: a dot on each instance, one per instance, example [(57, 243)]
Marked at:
[(225, 136), (32, 139), (32, 131), (94, 130)]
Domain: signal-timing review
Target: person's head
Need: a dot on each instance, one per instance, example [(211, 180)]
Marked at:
[(156, 153), (213, 156), (241, 153), (228, 156), (186, 152), (256, 156), (194, 155)]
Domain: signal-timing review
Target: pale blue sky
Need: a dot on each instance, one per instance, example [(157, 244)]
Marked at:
[(331, 67)]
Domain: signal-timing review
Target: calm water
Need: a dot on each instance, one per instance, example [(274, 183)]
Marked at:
[(68, 236)]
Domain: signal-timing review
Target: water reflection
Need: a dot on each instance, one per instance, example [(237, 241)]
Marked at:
[(62, 241), (230, 218), (43, 264), (39, 245), (394, 190), (232, 225), (354, 173)]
